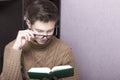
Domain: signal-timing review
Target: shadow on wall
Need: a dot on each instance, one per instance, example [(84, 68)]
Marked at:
[(10, 23)]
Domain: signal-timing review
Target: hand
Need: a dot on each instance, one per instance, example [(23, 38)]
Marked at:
[(55, 78), (22, 37), (45, 79)]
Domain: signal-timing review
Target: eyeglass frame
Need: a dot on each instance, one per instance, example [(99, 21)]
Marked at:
[(42, 36), (54, 34)]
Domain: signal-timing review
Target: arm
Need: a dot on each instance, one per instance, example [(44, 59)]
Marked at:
[(68, 59), (11, 65), (12, 56)]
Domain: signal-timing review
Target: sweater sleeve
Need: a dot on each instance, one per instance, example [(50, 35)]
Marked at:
[(12, 64), (68, 59)]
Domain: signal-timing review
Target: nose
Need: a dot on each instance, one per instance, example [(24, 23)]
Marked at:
[(45, 37), (45, 33)]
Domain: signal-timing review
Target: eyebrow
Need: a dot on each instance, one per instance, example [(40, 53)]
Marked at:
[(51, 29), (39, 30)]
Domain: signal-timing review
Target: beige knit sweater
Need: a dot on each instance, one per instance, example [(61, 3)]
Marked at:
[(18, 62)]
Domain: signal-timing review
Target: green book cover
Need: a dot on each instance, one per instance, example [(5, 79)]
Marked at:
[(45, 72)]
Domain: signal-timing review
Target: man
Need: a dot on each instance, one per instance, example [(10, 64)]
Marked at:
[(36, 46)]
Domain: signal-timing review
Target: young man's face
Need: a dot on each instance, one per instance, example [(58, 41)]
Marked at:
[(43, 31)]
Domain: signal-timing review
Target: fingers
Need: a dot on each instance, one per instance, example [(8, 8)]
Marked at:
[(25, 34), (22, 37), (31, 33)]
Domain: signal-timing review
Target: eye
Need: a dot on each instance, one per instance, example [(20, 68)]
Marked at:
[(50, 31)]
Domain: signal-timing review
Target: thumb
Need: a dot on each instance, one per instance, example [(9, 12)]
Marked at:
[(45, 79)]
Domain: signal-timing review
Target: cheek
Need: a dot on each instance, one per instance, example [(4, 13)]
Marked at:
[(51, 32)]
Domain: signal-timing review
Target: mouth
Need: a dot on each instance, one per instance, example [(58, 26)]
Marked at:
[(41, 41)]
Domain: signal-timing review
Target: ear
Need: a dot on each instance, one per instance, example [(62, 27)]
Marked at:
[(28, 23)]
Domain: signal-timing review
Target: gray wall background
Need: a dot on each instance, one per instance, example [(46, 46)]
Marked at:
[(92, 28)]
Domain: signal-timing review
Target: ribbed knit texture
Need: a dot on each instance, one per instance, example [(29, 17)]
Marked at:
[(18, 62)]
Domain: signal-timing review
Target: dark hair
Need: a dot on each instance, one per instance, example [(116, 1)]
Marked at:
[(43, 10)]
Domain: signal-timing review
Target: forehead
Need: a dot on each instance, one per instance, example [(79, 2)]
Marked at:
[(43, 25)]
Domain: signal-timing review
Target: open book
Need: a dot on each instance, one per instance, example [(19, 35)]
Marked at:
[(45, 72)]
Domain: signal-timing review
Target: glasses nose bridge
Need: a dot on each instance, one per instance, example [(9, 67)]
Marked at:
[(45, 33), (44, 36)]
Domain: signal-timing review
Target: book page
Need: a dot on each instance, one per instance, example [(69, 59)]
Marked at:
[(61, 67), (40, 70)]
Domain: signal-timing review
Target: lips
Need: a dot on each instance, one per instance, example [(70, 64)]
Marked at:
[(41, 41)]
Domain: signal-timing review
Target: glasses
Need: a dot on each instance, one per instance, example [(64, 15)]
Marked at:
[(42, 36)]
